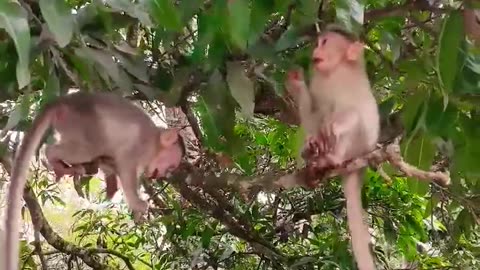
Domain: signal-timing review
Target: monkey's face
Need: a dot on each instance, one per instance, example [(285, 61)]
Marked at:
[(168, 156), (330, 52)]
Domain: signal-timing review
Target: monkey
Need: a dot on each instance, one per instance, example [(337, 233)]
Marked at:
[(341, 120), (87, 126)]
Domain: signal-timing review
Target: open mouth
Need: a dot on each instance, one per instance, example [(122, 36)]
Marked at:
[(317, 60), (154, 174)]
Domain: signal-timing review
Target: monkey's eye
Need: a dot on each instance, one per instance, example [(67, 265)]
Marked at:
[(324, 41)]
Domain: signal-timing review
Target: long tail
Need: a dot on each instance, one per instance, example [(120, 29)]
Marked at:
[(352, 187), (18, 179)]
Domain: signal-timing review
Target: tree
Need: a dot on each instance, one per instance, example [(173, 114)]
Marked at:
[(219, 67)]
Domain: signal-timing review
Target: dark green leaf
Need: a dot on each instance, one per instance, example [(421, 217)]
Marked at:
[(413, 110), (450, 40), (239, 21), (289, 39), (305, 13), (259, 16), (207, 236), (14, 19)]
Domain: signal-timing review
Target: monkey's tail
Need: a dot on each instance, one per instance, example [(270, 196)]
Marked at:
[(18, 179), (352, 186)]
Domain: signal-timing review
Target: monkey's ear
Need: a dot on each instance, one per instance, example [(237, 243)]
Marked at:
[(355, 51), (169, 136)]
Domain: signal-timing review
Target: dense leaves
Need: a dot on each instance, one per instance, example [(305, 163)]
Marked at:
[(219, 67)]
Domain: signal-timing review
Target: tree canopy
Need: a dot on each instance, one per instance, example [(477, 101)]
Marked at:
[(217, 69)]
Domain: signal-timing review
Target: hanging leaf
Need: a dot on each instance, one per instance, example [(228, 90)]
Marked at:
[(239, 21), (20, 111), (241, 88), (420, 152), (259, 16), (289, 39), (217, 114), (451, 37), (58, 16), (134, 10), (106, 63), (14, 19)]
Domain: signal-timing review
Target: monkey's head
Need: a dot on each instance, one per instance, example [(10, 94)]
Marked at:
[(336, 47), (168, 156)]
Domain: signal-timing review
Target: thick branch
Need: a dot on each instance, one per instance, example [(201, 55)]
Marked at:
[(275, 180)]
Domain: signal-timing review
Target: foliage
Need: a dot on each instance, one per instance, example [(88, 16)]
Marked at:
[(223, 64)]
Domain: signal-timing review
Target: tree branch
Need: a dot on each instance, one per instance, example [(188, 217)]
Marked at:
[(41, 224)]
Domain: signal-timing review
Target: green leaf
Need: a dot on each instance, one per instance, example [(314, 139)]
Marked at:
[(439, 120), (467, 150), (432, 203), (20, 111), (52, 88), (133, 65), (451, 37), (288, 39), (207, 235), (241, 88), (350, 13), (420, 152), (305, 13), (239, 21), (217, 114), (463, 224), (14, 19), (105, 62), (180, 78), (165, 14), (59, 19), (259, 16), (413, 110), (137, 11)]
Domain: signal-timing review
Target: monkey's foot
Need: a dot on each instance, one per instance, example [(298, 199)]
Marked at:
[(139, 210), (138, 205)]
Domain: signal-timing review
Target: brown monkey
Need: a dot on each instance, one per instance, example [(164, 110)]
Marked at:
[(340, 116), (91, 125)]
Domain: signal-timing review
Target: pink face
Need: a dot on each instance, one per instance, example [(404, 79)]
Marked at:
[(169, 155), (330, 52), (166, 161)]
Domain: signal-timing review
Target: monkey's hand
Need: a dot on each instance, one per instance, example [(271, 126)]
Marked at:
[(295, 83), (321, 144)]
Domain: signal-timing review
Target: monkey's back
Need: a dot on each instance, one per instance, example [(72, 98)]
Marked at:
[(103, 117)]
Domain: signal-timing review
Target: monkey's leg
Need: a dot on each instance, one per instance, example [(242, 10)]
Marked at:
[(127, 172), (112, 187)]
